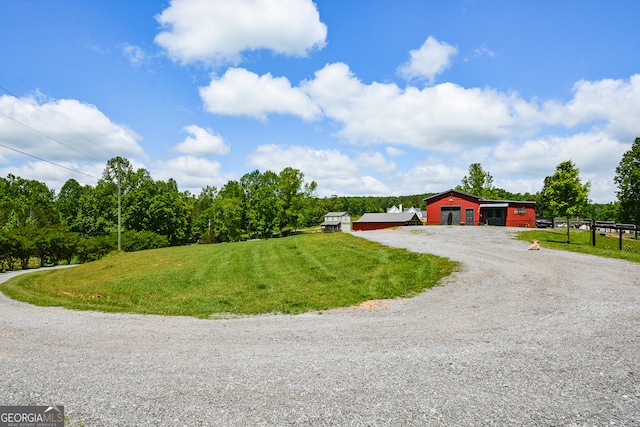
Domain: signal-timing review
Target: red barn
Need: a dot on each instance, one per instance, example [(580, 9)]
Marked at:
[(457, 208)]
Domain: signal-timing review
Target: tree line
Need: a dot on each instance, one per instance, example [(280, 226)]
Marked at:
[(81, 222)]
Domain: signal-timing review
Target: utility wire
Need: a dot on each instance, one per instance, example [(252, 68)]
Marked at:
[(50, 137), (50, 162), (60, 123), (61, 166)]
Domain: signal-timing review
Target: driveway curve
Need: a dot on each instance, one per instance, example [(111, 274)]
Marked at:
[(516, 337)]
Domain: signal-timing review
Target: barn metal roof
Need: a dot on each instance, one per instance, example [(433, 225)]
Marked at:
[(480, 199), (388, 217), (336, 214), (451, 191)]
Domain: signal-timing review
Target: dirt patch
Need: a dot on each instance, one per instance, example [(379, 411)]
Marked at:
[(375, 304)]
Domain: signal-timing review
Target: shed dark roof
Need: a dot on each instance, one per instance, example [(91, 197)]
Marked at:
[(400, 217)]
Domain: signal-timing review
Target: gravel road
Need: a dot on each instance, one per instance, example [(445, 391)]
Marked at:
[(516, 337)]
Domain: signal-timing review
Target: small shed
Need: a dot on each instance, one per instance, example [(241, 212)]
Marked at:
[(457, 208), (336, 221), (376, 221)]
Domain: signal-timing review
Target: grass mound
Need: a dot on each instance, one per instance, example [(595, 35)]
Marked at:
[(289, 275)]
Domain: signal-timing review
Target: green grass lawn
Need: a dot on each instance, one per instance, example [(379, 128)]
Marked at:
[(289, 275), (606, 246)]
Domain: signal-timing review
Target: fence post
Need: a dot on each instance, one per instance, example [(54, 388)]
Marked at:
[(620, 238), (593, 232)]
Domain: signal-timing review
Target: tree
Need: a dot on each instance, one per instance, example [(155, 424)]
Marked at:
[(62, 246), (250, 184), (95, 213), (264, 207), (478, 182), (230, 212), (295, 195), (604, 211), (100, 207), (104, 204), (136, 202), (25, 202), (167, 213), (628, 181), (118, 168), (68, 203), (268, 207), (23, 245), (564, 193), (9, 248), (226, 219)]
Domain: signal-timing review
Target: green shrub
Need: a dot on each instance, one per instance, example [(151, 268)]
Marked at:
[(94, 248), (132, 241)]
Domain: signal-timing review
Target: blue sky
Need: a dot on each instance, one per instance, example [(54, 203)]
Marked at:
[(366, 97)]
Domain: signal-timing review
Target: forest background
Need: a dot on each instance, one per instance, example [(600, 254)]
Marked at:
[(81, 223)]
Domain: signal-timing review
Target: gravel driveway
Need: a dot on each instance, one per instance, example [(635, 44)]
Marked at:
[(516, 337)]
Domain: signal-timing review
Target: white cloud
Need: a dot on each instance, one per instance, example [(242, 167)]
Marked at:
[(335, 172), (217, 31), (134, 54), (484, 51), (442, 118), (518, 141), (322, 164), (241, 92), (520, 185), (64, 130), (445, 117), (526, 165), (608, 105), (375, 161), (431, 59), (202, 142), (603, 189), (591, 152), (431, 175), (484, 123), (373, 187), (192, 173), (394, 152)]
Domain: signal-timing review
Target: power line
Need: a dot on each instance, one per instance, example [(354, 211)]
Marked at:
[(50, 137), (60, 123), (65, 167), (48, 161)]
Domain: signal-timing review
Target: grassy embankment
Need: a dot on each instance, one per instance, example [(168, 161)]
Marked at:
[(606, 246), (288, 275)]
